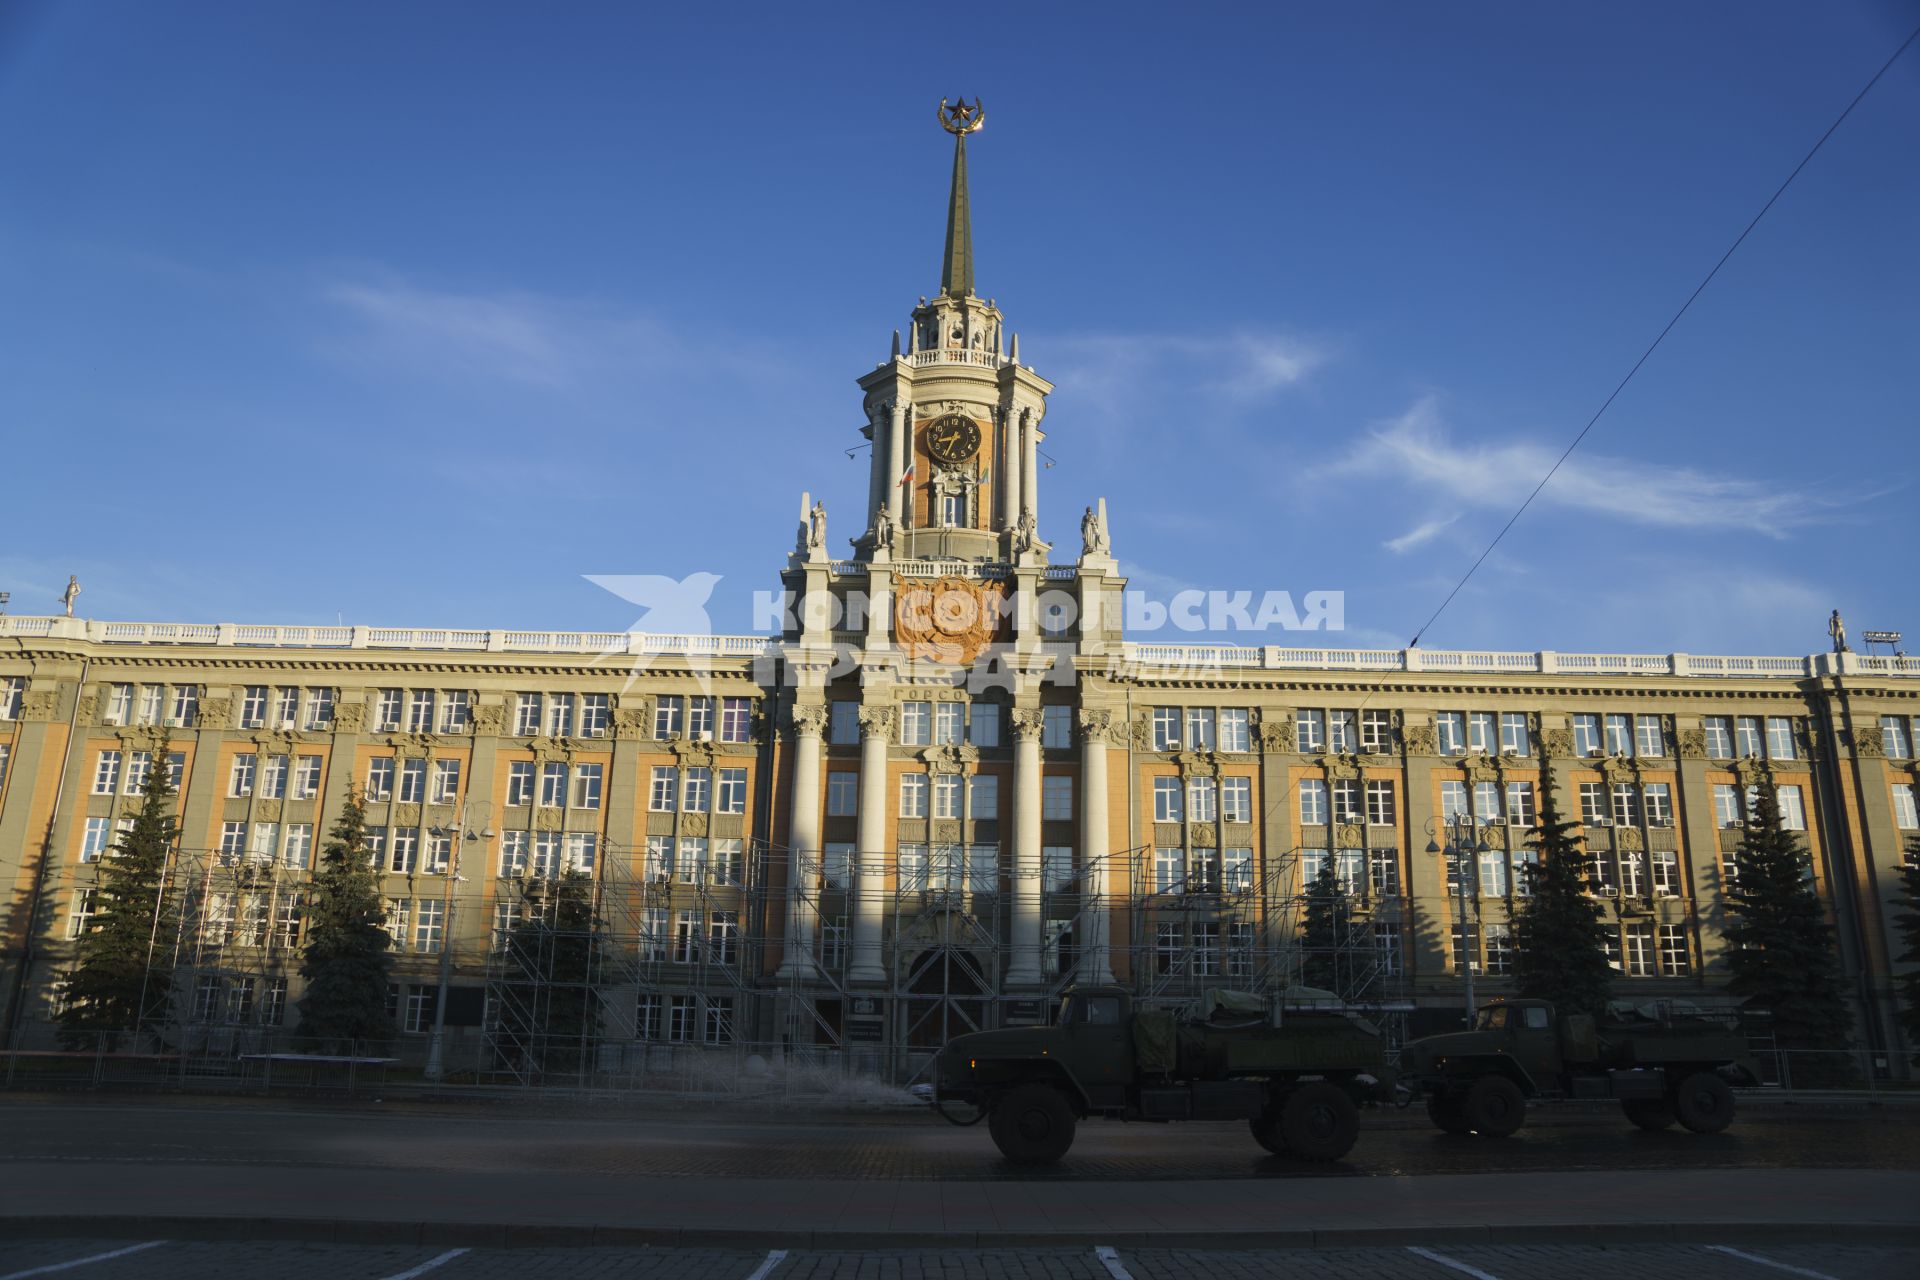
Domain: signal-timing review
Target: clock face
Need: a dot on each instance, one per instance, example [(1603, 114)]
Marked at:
[(954, 438)]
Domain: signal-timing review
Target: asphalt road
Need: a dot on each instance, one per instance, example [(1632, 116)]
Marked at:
[(615, 1139)]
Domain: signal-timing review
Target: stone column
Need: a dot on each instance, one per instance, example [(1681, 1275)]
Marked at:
[(896, 462), (877, 472), (1023, 967), (1096, 729), (1010, 466), (1029, 455), (803, 841), (870, 848)]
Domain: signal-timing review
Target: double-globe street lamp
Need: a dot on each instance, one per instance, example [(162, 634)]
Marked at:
[(1465, 844)]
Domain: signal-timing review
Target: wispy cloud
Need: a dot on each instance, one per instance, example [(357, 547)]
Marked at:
[(1425, 532), (1417, 448), (1110, 369), (541, 342)]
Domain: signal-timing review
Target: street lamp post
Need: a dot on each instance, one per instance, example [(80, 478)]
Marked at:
[(1464, 843), (437, 1043)]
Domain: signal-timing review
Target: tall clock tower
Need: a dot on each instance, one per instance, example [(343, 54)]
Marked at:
[(954, 418)]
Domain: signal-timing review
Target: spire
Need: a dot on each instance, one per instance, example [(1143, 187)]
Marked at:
[(956, 269)]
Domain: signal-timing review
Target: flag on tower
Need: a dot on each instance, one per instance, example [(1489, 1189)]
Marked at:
[(907, 475)]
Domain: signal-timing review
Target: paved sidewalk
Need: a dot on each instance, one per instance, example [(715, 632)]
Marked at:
[(95, 1198)]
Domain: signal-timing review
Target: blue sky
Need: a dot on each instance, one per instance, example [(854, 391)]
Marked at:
[(415, 314)]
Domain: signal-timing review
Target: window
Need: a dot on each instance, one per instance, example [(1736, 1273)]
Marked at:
[(680, 1017), (1780, 738), (319, 712), (1673, 950), (946, 795), (1493, 873), (439, 851), (1167, 806), (379, 778), (1524, 861), (1056, 727), (718, 1026), (686, 937), (690, 860), (253, 706), (916, 724), (1633, 874), (1593, 804), (1499, 949), (139, 765), (233, 842), (98, 835), (297, 852), (1626, 804), (1650, 736), (413, 781), (1659, 802), (700, 719), (1619, 734), (456, 712), (418, 1016), (1056, 868), (1450, 732), (446, 781), (1793, 814), (1313, 802), (843, 723), (547, 850), (1464, 948), (1480, 734), (1520, 812), (240, 780), (176, 768), (1203, 800), (1056, 798), (983, 868), (836, 865), (1746, 735), (1726, 805), (429, 926), (1235, 729), (106, 773), (560, 716), (1600, 870), (420, 711), (273, 1003), (1718, 731), (983, 726), (399, 920), (1453, 800), (1310, 730), (735, 719), (403, 849), (663, 790), (1666, 874), (1236, 799), (1383, 872), (386, 715), (1639, 950), (1199, 734), (730, 795), (983, 797), (1380, 808), (1486, 803), (1387, 941), (1376, 731), (1586, 735), (1893, 737), (669, 715), (1514, 738), (186, 705), (843, 794), (513, 852), (553, 785), (696, 787), (1166, 728), (119, 704), (953, 510), (586, 785), (949, 723), (1346, 800), (913, 795), (1341, 734), (375, 844), (1169, 871), (1904, 816)]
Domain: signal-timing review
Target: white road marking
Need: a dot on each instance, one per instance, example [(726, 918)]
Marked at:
[(768, 1263), (80, 1262), (1457, 1265), (424, 1267), (1110, 1259), (1750, 1257)]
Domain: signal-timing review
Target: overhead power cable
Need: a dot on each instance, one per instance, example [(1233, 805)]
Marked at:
[(1655, 344)]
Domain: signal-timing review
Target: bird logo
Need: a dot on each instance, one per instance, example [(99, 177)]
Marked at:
[(673, 617)]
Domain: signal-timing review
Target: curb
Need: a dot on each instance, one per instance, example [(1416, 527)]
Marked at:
[(550, 1235)]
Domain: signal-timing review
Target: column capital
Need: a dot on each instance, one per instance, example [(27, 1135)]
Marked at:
[(877, 722), (1028, 723), (1099, 726), (809, 720)]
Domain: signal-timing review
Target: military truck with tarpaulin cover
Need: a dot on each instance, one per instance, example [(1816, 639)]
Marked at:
[(1663, 1065), (1296, 1076)]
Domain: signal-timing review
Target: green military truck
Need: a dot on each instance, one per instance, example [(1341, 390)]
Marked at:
[(1663, 1066), (1294, 1076)]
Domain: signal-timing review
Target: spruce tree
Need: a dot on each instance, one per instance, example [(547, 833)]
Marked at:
[(558, 958), (1323, 936), (1558, 948), (1909, 923), (1780, 947), (122, 977), (346, 963)]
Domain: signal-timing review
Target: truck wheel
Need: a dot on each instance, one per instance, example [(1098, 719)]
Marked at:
[(1649, 1113), (1318, 1121), (1265, 1128), (1703, 1103), (1032, 1125), (1495, 1107), (1446, 1114)]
